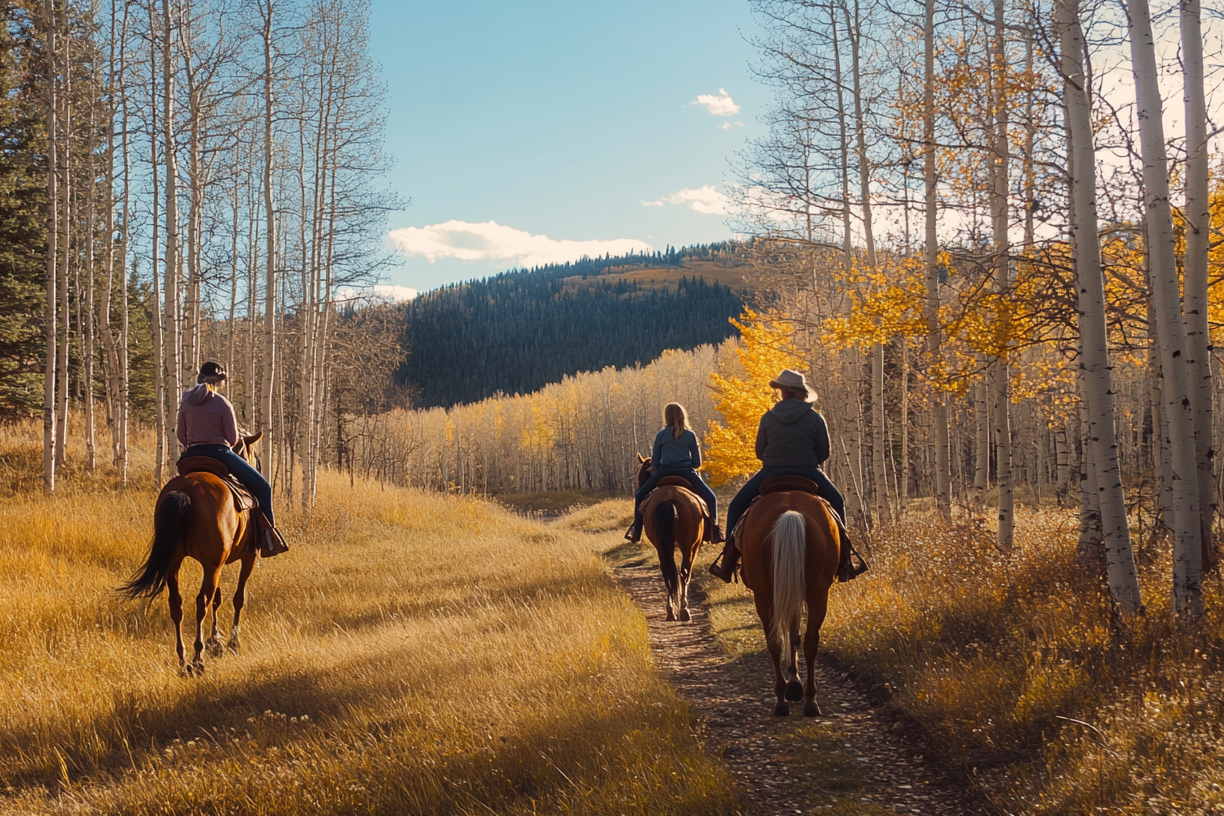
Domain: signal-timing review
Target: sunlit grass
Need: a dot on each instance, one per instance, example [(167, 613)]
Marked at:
[(413, 653), (1015, 672)]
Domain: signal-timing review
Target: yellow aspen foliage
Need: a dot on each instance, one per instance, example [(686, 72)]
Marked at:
[(767, 345)]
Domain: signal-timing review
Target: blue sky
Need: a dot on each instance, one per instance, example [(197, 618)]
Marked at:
[(557, 121)]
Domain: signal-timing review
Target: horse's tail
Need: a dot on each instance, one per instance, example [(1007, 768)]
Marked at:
[(169, 523), (665, 542), (789, 557)]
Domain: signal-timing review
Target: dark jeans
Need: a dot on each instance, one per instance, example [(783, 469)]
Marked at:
[(251, 478), (691, 476), (752, 489)]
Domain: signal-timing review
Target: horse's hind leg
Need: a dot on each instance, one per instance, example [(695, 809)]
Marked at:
[(248, 563), (213, 644), (765, 612), (794, 688), (816, 616), (686, 574), (208, 589), (176, 614)]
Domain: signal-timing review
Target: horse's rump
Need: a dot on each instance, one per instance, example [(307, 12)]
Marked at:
[(755, 537)]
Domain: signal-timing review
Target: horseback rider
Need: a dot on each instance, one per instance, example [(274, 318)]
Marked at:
[(207, 426), (793, 440), (675, 453)]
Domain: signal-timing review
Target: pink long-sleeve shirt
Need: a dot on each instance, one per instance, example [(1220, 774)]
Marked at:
[(206, 418)]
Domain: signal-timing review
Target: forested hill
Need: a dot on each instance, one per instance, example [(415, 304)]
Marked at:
[(520, 330)]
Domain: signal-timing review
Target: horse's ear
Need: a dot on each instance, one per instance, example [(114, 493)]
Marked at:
[(251, 440), (641, 458)]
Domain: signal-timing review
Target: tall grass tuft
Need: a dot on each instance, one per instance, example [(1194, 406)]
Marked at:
[(1019, 676), (412, 654)]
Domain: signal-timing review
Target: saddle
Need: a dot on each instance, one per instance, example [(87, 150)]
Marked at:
[(783, 484), (243, 500), (680, 481)]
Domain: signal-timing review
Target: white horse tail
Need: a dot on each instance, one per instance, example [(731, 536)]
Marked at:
[(789, 559)]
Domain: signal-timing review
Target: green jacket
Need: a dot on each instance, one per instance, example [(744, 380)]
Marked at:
[(792, 434)]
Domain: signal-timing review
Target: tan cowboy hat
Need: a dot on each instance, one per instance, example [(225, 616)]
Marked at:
[(795, 380)]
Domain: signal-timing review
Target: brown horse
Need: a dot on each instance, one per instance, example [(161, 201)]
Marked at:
[(196, 517), (790, 543), (672, 518)]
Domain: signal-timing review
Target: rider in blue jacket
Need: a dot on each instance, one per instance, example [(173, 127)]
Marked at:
[(675, 453)]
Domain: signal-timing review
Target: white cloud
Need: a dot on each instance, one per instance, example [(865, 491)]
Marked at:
[(379, 292), (490, 241), (727, 125), (720, 105), (701, 199)]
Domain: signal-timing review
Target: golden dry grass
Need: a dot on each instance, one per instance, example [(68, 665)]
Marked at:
[(413, 654), (1013, 672)]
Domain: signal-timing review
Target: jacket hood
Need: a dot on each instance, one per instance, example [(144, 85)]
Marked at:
[(789, 411), (198, 394)]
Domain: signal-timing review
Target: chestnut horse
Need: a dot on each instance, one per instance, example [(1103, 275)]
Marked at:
[(790, 543), (195, 516), (672, 518)]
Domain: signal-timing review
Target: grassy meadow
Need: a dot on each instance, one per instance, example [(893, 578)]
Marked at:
[(1012, 673), (414, 653)]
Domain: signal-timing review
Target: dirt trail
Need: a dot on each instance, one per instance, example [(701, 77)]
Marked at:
[(853, 760)]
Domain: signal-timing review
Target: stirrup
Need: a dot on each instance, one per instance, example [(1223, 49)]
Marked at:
[(848, 571), (634, 534), (273, 543)]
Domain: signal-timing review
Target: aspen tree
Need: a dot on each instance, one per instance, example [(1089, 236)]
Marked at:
[(878, 443), (1177, 396), (1000, 216), (266, 11), (1094, 357), (939, 410), (1198, 245), (172, 333), (50, 458)]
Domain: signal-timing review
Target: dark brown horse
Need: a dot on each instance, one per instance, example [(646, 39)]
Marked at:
[(196, 517), (672, 518), (790, 546)]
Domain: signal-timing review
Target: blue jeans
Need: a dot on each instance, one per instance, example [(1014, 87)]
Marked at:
[(752, 489), (251, 478), (691, 476)]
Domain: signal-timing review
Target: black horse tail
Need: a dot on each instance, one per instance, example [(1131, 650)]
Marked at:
[(665, 543), (169, 523)]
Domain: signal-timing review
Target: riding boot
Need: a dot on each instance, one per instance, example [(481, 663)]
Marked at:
[(273, 543), (634, 533), (846, 569), (716, 534), (724, 565)]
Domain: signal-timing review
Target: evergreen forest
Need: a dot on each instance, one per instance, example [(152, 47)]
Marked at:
[(516, 332)]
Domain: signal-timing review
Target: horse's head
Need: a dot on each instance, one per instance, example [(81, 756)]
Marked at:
[(246, 449), (644, 470)]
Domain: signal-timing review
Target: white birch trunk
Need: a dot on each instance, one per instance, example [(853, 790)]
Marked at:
[(1095, 364), (1177, 396), (1198, 243), (49, 318)]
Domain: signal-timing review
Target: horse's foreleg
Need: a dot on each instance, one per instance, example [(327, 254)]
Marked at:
[(213, 644), (208, 589), (248, 563), (176, 615)]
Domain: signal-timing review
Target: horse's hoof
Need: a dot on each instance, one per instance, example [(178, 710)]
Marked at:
[(214, 648), (781, 709), (685, 616), (233, 646), (810, 709), (195, 668), (671, 615), (794, 691)]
